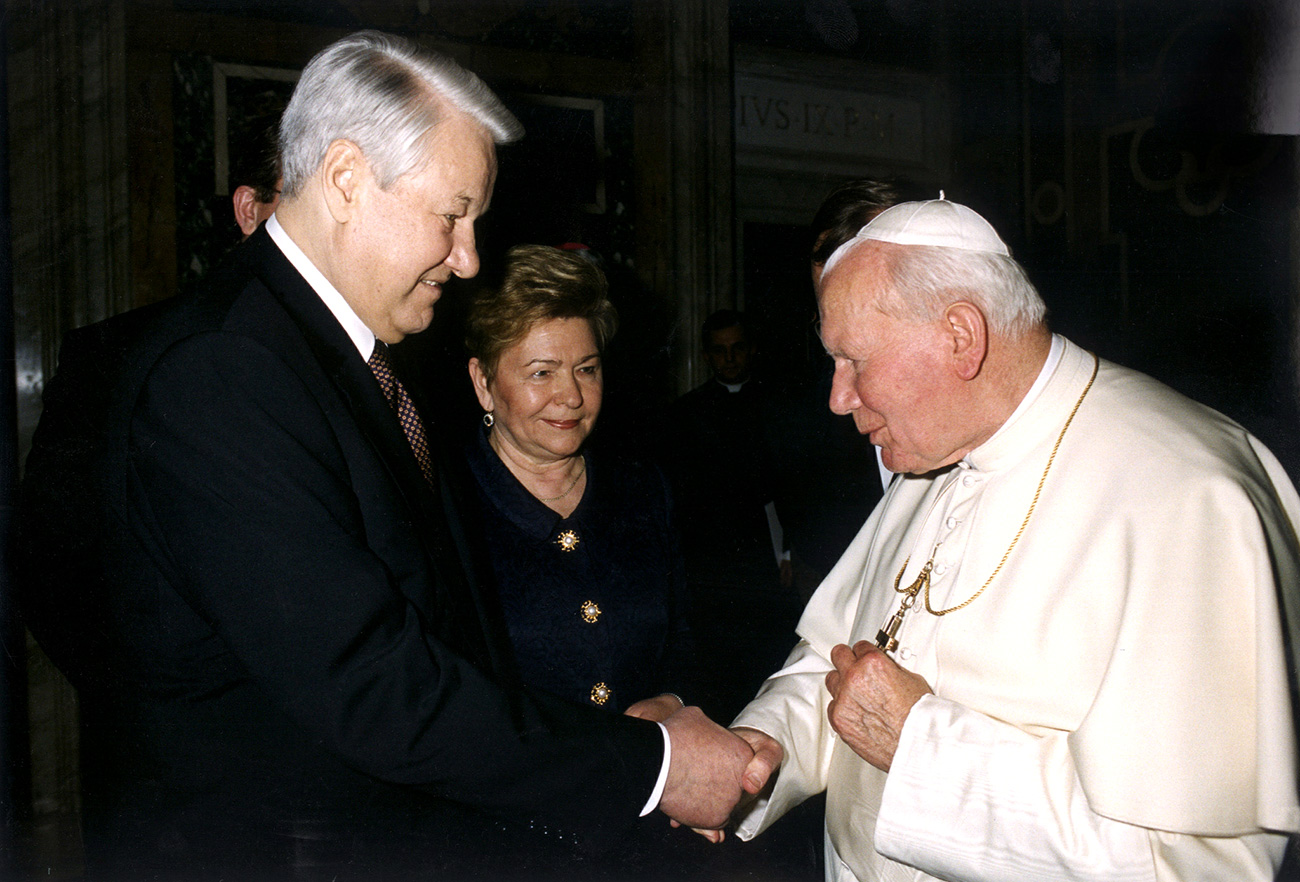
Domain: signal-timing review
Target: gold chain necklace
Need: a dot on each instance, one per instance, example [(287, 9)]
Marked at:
[(886, 637), (582, 470)]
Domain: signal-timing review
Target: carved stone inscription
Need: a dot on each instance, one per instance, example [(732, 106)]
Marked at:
[(797, 118)]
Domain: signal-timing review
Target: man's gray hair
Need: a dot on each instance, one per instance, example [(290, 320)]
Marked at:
[(927, 279), (385, 94)]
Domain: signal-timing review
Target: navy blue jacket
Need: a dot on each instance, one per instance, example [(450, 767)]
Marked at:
[(594, 602)]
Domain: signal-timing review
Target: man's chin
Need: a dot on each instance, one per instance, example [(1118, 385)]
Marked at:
[(893, 462), (416, 324)]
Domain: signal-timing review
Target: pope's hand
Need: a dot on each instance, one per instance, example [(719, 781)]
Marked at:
[(704, 776), (871, 698), (767, 759)]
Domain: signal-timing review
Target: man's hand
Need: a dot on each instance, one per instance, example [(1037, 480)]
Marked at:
[(766, 760), (656, 709), (871, 698), (704, 776)]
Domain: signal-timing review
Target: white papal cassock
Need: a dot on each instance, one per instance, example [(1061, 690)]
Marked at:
[(1115, 706)]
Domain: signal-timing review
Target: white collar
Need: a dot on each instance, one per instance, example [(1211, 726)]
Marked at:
[(362, 337), (1053, 359), (1041, 412)]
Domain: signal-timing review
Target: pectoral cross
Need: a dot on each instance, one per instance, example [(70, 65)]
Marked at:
[(887, 637)]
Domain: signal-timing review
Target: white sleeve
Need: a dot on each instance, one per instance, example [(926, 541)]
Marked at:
[(791, 708), (972, 798)]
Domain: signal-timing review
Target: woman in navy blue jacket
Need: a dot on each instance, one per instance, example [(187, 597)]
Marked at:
[(583, 550)]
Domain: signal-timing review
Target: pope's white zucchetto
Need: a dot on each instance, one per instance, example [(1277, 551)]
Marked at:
[(934, 222)]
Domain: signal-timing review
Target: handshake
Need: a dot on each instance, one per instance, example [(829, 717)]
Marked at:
[(713, 769)]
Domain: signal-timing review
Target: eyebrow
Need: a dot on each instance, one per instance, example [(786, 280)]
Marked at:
[(583, 360)]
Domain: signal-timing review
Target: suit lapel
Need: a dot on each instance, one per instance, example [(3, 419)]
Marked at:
[(457, 615)]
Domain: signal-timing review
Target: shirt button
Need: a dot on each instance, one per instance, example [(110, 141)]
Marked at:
[(952, 523), (905, 654), (969, 480), (940, 569)]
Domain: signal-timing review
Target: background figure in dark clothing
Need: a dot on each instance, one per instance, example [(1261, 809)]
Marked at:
[(255, 171), (723, 466), (829, 478), (724, 481), (846, 210), (60, 530), (770, 485)]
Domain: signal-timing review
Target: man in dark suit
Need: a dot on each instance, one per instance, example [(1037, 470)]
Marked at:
[(59, 535), (298, 675)]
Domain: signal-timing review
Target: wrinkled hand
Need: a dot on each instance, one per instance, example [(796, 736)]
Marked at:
[(766, 760), (704, 775), (656, 709), (871, 698)]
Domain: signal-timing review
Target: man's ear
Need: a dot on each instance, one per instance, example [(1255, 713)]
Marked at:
[(342, 176), (480, 381), (969, 333), (244, 200)]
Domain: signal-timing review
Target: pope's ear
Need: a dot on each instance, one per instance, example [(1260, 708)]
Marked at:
[(969, 333), (343, 173)]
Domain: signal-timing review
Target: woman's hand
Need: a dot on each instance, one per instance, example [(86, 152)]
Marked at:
[(656, 709)]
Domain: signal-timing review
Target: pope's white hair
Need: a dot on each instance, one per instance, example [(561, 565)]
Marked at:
[(924, 280), (385, 94)]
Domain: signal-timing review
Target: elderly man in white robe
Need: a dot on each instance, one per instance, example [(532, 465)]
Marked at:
[(1056, 649)]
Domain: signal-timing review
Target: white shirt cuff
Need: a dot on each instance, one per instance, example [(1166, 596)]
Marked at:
[(658, 793)]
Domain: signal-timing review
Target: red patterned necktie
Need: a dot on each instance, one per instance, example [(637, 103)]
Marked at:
[(400, 401)]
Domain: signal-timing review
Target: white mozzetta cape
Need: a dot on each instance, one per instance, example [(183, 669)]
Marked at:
[(1116, 704)]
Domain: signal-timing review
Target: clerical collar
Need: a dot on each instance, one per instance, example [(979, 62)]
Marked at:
[(362, 337), (1053, 359), (731, 387)]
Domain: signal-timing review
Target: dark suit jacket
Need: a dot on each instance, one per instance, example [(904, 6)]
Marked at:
[(57, 549), (290, 617)]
